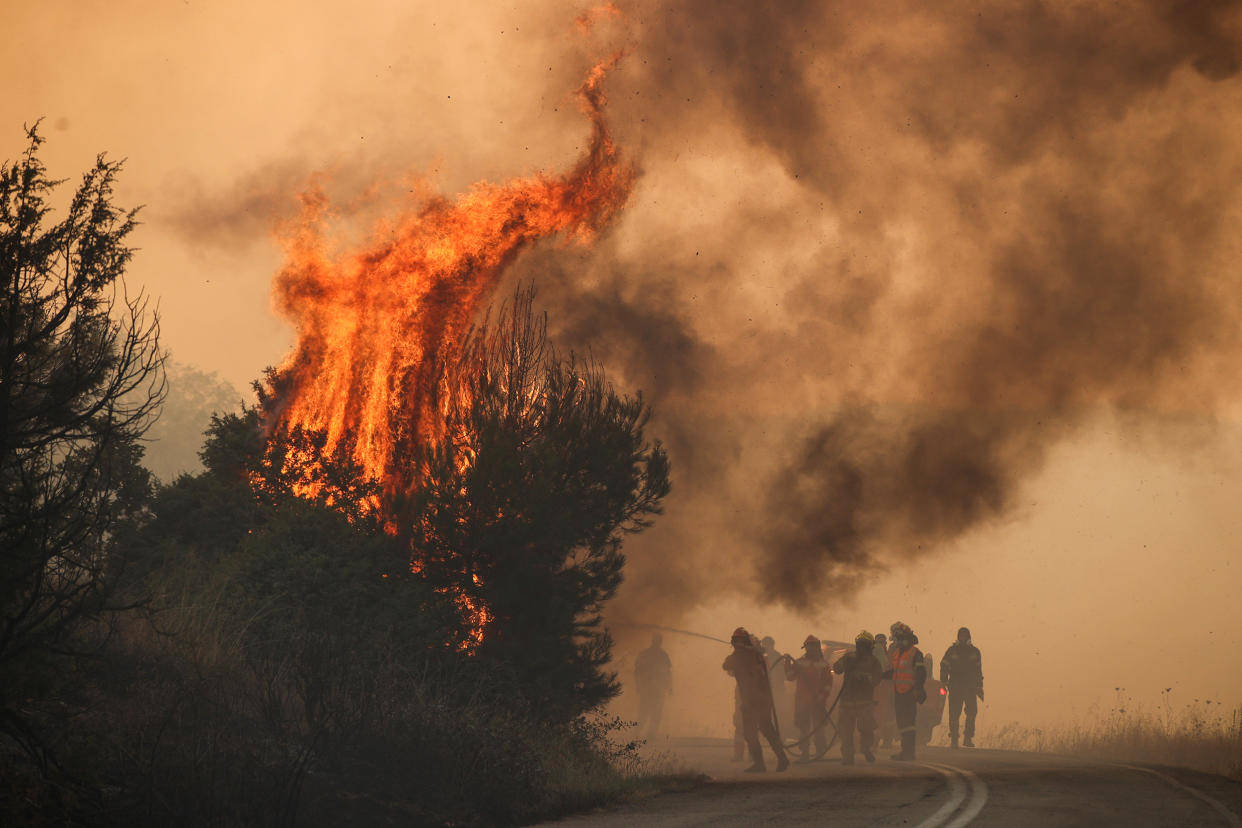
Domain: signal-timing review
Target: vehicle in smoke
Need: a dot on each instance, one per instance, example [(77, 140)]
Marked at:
[(931, 712)]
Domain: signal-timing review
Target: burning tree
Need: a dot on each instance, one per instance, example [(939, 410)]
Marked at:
[(521, 509), (512, 476), (81, 380), (496, 562), (376, 324)]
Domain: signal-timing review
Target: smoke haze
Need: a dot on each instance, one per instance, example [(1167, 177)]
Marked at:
[(978, 228), (893, 276)]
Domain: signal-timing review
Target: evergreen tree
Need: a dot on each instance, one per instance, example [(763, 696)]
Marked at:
[(81, 381), (520, 511)]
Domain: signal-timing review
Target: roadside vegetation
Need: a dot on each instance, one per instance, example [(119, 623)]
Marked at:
[(250, 644), (1202, 735)]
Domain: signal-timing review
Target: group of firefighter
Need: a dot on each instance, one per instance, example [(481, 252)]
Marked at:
[(875, 674)]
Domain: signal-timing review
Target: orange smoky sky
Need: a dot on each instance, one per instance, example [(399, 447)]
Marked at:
[(937, 304)]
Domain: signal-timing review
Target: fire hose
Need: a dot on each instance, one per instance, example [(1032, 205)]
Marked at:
[(827, 721), (668, 629), (805, 739), (772, 701)]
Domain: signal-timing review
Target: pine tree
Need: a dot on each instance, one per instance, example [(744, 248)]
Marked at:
[(81, 380), (523, 506)]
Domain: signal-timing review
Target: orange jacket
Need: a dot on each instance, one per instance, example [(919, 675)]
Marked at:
[(906, 665), (814, 680)]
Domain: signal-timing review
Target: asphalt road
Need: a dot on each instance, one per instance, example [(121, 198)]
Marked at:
[(943, 789)]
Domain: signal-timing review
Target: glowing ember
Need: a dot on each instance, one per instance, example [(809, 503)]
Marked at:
[(478, 614), (373, 324), (587, 20), (474, 611)]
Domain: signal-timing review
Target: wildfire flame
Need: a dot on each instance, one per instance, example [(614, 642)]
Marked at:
[(586, 21), (375, 323), (372, 323)]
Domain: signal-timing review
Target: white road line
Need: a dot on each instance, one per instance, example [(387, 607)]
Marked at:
[(978, 798), (1229, 816), (957, 794), (949, 814)]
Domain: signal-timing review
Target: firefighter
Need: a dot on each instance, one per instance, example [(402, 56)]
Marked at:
[(812, 679), (782, 704), (884, 697), (961, 670), (746, 665), (739, 735), (908, 675), (653, 677), (860, 676)]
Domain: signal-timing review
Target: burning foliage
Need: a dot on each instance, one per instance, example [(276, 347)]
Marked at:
[(380, 374), (520, 511), (376, 326), (874, 221)]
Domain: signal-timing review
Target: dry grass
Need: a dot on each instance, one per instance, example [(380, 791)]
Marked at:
[(1202, 735)]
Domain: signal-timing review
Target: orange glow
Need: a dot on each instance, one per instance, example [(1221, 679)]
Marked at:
[(478, 613), (374, 324), (587, 20)]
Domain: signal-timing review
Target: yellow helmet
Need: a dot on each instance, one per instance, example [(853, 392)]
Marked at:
[(865, 636)]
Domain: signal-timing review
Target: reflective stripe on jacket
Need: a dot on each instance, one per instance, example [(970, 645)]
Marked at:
[(904, 664)]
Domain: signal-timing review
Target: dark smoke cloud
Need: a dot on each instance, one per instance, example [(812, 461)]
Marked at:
[(897, 481), (241, 214), (881, 259), (642, 334), (252, 209), (1064, 173), (1015, 75)]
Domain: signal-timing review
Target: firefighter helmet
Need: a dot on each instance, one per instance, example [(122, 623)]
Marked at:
[(740, 634), (864, 636), (810, 639)]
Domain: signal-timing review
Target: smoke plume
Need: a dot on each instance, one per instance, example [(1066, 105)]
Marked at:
[(881, 258), (942, 238)]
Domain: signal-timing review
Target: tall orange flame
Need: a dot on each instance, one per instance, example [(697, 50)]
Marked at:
[(373, 323)]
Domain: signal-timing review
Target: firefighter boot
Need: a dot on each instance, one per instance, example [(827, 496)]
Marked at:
[(907, 748), (782, 761), (756, 760), (968, 743), (953, 740), (868, 742)]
